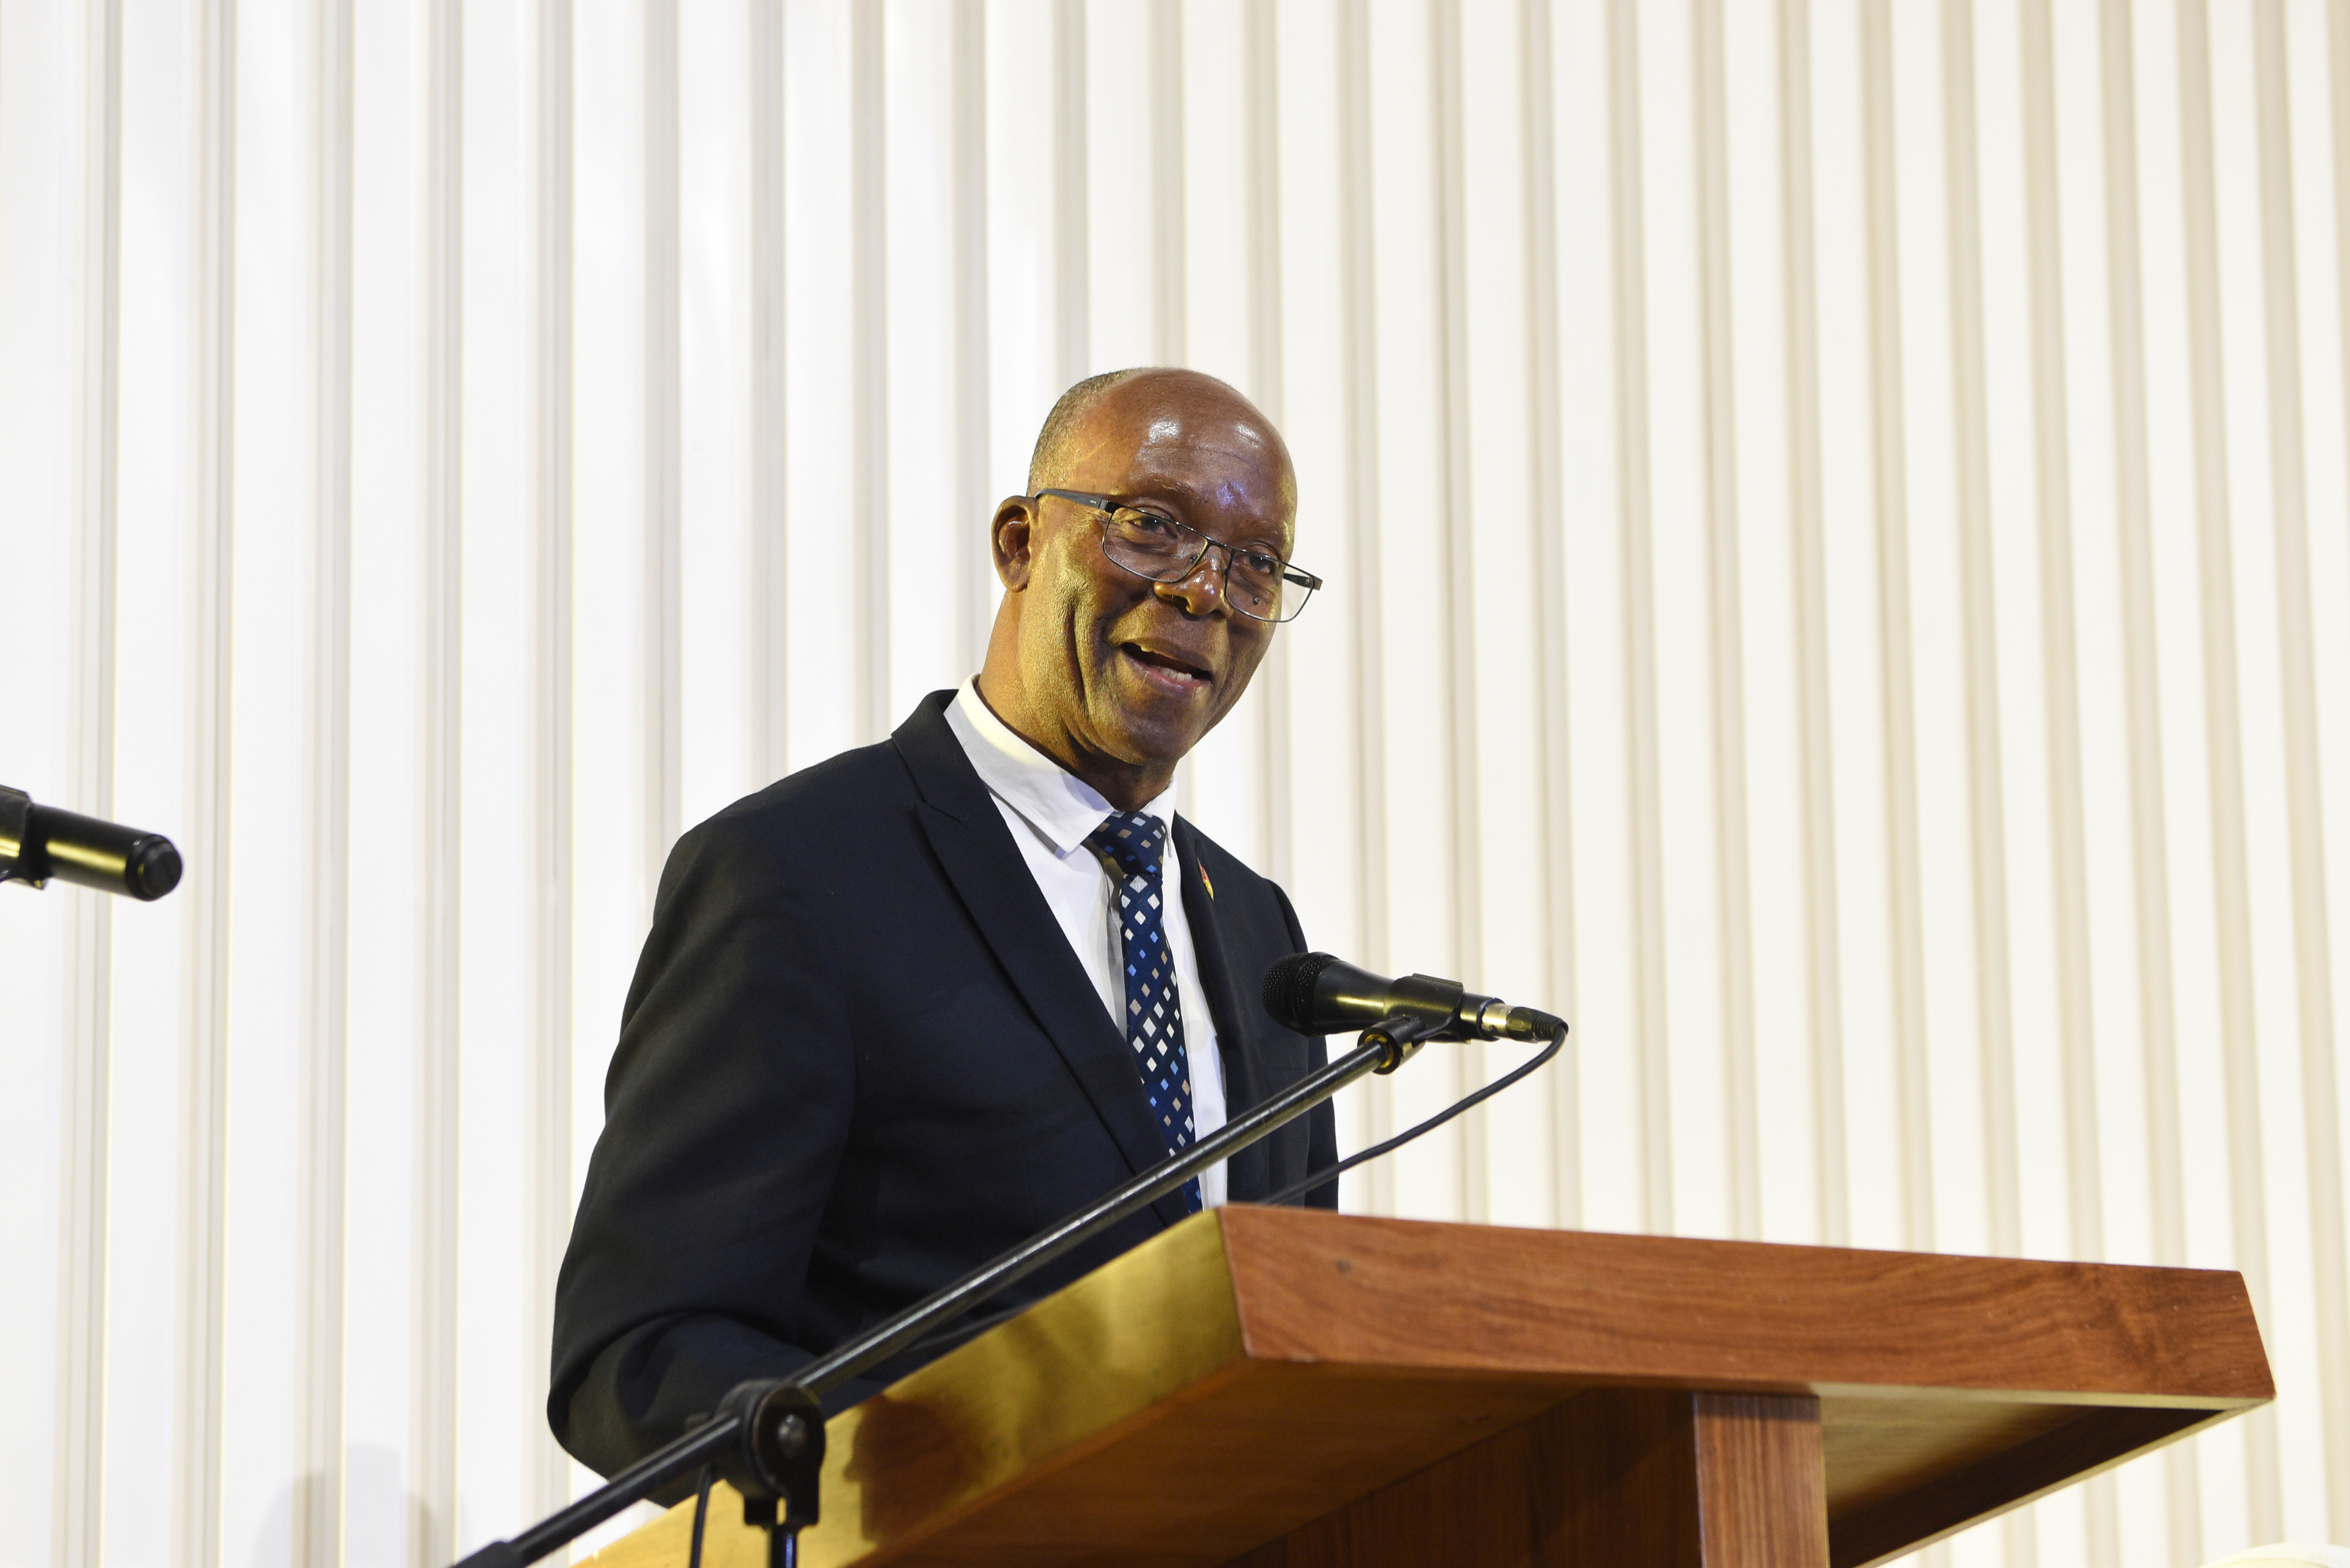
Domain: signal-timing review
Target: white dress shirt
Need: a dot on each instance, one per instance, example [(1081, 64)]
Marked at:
[(1050, 811)]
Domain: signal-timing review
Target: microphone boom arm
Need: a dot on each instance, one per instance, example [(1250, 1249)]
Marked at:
[(768, 1435)]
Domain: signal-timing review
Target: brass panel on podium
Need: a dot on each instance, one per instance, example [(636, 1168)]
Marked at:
[(1291, 1389)]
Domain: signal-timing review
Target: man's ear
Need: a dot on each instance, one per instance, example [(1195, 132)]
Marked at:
[(1012, 536)]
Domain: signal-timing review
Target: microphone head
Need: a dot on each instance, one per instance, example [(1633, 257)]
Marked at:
[(1289, 991), (152, 869)]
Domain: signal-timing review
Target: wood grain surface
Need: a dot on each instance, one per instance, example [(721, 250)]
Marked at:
[(1760, 1478), (1735, 1315), (1662, 1479), (1282, 1388)]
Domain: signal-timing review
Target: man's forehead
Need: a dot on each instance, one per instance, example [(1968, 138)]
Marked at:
[(1185, 437)]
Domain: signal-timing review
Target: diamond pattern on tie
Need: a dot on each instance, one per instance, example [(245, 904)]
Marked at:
[(1130, 842)]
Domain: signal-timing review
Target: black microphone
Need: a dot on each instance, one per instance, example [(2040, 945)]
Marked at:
[(1315, 994), (38, 842)]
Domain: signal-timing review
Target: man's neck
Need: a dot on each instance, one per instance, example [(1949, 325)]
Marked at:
[(1127, 786)]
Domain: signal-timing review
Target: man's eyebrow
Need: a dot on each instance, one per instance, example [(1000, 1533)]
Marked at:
[(1187, 496), (1273, 534)]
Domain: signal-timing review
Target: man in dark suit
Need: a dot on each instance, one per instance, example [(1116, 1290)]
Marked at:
[(905, 1008)]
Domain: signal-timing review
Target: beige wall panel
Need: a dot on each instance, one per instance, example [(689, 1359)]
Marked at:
[(1833, 517)]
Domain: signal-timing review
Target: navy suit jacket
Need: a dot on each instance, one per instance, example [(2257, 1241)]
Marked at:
[(859, 1059)]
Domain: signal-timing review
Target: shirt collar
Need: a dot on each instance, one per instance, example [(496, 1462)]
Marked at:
[(1062, 807)]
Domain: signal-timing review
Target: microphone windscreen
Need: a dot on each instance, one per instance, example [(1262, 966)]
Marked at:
[(1289, 990), (152, 868)]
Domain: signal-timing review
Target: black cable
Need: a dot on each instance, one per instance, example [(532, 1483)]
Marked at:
[(1290, 1194), (701, 1512), (972, 1327)]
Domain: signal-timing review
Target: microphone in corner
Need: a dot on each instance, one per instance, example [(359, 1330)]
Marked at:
[(1316, 993), (41, 842)]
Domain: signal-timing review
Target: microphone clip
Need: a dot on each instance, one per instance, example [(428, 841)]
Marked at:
[(1401, 1035), (1434, 1005)]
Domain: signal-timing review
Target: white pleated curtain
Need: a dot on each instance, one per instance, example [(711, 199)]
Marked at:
[(1838, 538)]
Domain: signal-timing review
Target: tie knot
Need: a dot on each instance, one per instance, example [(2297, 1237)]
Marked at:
[(1130, 839)]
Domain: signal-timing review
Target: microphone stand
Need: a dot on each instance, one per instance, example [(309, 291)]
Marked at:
[(768, 1437)]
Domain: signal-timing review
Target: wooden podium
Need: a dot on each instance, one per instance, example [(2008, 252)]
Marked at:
[(1277, 1388)]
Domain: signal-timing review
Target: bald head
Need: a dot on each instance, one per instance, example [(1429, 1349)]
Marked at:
[(1045, 460), (1158, 390), (1113, 674)]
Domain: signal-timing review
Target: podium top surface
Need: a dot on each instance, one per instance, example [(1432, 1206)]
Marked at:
[(1275, 1364)]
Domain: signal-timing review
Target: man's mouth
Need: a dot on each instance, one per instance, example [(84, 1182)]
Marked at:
[(1166, 667)]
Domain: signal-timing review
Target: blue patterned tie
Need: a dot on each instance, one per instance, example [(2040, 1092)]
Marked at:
[(1154, 1013)]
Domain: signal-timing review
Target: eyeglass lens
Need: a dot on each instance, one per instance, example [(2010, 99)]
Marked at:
[(1166, 551)]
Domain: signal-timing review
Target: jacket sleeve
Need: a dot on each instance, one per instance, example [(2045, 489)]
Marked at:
[(726, 1111)]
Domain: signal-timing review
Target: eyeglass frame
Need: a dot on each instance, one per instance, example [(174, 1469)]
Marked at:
[(1105, 506)]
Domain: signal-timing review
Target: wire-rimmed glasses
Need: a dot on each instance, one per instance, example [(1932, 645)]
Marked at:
[(1257, 583)]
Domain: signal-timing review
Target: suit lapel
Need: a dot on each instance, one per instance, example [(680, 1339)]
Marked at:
[(976, 851), (1248, 1174)]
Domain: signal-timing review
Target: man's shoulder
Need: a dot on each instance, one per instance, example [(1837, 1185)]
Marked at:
[(840, 823), (837, 805), (817, 802)]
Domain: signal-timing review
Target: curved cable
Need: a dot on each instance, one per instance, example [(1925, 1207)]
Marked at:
[(1290, 1194), (701, 1512), (972, 1327)]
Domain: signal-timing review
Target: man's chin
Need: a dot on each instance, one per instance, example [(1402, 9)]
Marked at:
[(1148, 741)]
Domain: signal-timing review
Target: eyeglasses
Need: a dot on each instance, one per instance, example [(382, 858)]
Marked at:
[(1257, 583)]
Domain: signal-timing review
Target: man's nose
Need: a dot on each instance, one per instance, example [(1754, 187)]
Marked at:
[(1202, 589)]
